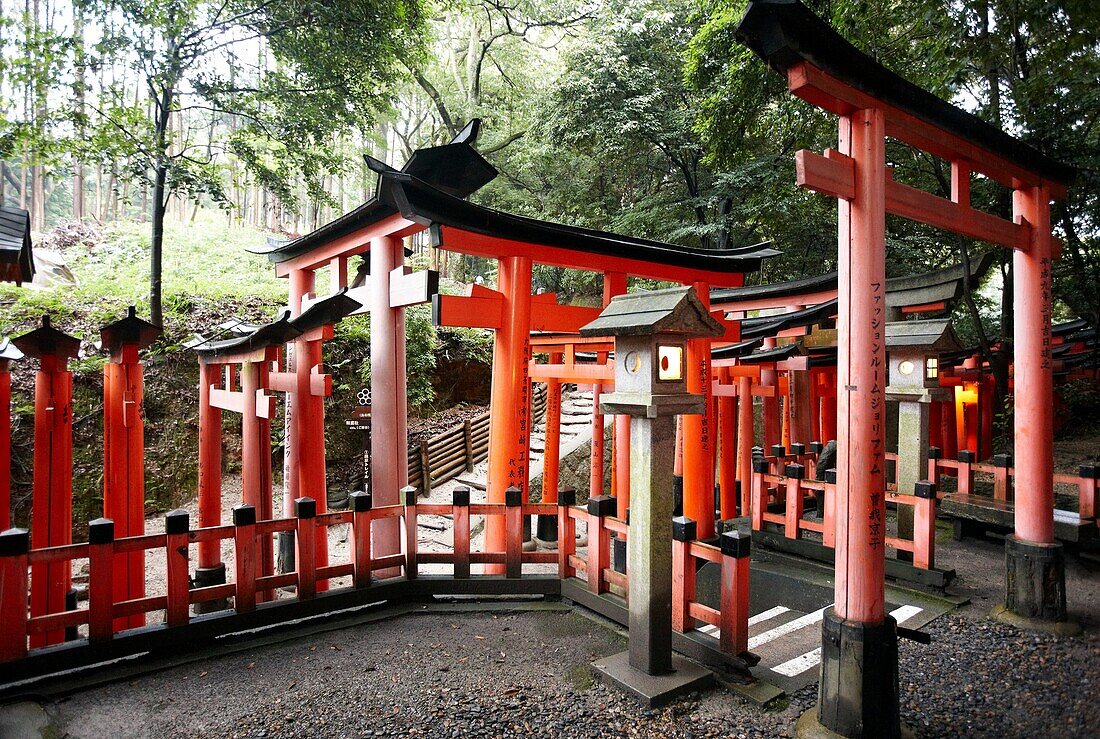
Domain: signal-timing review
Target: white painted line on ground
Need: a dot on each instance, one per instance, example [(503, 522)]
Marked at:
[(799, 664), (905, 613), (783, 629), (712, 630), (811, 659), (770, 613)]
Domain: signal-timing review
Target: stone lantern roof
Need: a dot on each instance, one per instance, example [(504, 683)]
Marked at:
[(676, 310)]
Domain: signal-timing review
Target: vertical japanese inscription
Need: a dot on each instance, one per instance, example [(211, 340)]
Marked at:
[(517, 465), (875, 522), (1044, 296)]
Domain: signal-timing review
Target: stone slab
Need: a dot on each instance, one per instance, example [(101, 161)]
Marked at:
[(653, 690)]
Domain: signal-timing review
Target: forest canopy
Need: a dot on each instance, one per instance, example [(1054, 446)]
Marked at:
[(637, 116)]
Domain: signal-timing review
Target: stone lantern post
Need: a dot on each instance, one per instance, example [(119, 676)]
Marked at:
[(651, 330), (913, 349)]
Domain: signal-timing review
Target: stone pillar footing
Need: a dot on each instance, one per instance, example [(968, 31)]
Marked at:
[(858, 694), (546, 529), (284, 560), (1035, 580), (205, 577)]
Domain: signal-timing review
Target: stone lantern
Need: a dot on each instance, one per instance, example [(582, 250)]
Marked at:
[(651, 330), (913, 351)]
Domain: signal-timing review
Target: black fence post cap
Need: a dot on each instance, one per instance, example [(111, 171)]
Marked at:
[(567, 497), (601, 505), (796, 471), (460, 496), (408, 495), (934, 452), (1002, 460), (513, 497), (816, 447), (101, 531), (798, 448), (14, 542), (244, 515), (758, 451), (177, 522), (361, 501), (735, 544), (759, 465), (778, 450), (924, 489), (684, 529), (305, 507), (830, 476), (1089, 471), (966, 456)]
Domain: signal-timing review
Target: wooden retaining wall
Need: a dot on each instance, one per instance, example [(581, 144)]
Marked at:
[(456, 450)]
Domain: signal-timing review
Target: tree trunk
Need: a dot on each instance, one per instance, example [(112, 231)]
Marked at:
[(78, 97)]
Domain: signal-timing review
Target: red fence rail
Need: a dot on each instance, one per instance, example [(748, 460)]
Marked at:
[(250, 586)]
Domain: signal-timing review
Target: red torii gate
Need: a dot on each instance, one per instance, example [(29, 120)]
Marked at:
[(124, 450), (429, 192), (52, 507), (859, 694)]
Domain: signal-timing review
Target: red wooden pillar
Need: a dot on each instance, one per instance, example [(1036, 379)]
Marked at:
[(52, 507), (211, 569), (595, 468), (510, 395), (551, 459), (861, 327), (8, 354), (698, 432), (389, 441), (1035, 580), (310, 423), (614, 283), (770, 379), (124, 451), (745, 438), (301, 286), (828, 412), (727, 449), (859, 642)]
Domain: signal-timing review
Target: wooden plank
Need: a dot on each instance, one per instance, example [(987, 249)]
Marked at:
[(827, 92), (412, 288), (835, 175), (469, 312), (547, 316)]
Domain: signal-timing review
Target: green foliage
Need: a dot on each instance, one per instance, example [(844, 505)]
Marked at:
[(1082, 400)]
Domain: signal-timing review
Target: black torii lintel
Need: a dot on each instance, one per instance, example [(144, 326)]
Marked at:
[(129, 330), (786, 33)]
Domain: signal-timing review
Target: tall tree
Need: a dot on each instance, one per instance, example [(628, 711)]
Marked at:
[(337, 60)]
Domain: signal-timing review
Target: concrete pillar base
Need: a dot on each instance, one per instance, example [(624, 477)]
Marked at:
[(1035, 580), (653, 690), (205, 577), (284, 559), (809, 727), (546, 530), (858, 695)]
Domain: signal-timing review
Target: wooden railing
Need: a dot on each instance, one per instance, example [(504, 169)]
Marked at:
[(964, 469), (456, 450), (791, 491), (251, 587)]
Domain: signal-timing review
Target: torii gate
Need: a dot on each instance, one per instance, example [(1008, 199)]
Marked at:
[(859, 688), (428, 193)]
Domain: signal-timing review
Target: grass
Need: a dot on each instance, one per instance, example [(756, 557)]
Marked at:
[(205, 261)]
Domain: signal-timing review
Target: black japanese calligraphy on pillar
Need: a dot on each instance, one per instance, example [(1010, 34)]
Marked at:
[(1044, 297), (875, 521), (518, 465)]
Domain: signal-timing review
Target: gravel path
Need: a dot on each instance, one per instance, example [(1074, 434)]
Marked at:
[(460, 675)]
